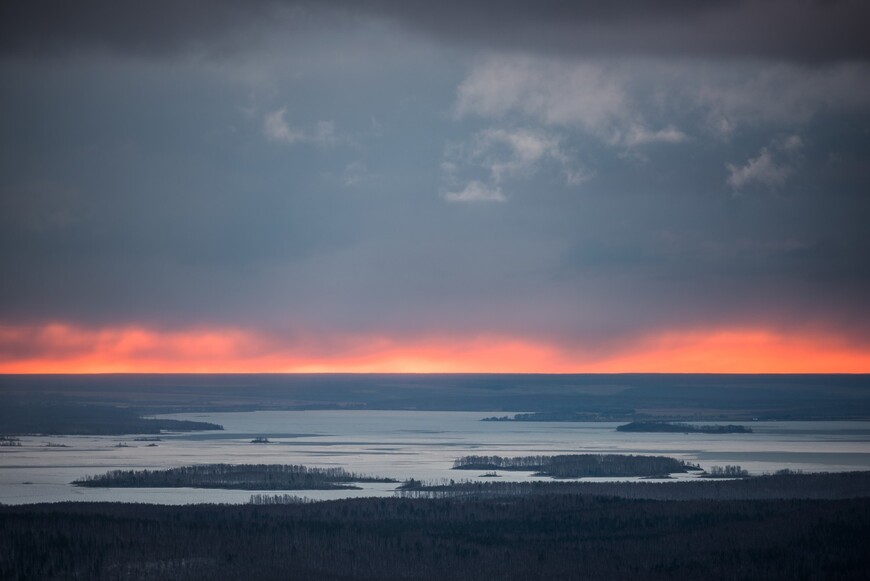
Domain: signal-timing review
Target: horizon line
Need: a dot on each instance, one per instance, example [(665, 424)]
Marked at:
[(348, 373)]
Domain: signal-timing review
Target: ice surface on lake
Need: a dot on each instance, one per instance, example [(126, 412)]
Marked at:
[(397, 444)]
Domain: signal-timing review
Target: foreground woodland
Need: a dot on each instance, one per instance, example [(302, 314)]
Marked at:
[(541, 536)]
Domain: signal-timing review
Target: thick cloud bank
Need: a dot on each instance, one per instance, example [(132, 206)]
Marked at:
[(301, 185)]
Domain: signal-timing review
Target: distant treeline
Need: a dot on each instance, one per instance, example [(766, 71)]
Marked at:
[(615, 397), (563, 416), (782, 485), (272, 499), (232, 476), (683, 428), (727, 471), (579, 465), (76, 419), (545, 536)]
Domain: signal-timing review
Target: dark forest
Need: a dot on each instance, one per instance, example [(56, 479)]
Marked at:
[(527, 537)]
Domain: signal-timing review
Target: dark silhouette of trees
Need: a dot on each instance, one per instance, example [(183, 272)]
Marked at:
[(544, 536), (579, 465), (233, 476), (784, 484), (728, 471), (272, 499), (76, 419)]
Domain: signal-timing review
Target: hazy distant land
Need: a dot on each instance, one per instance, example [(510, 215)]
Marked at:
[(584, 397), (638, 426), (670, 427), (65, 418)]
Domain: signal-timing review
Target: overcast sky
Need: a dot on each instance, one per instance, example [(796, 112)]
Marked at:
[(317, 179)]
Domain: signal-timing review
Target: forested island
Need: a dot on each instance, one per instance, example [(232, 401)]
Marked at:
[(87, 420), (673, 427), (230, 476), (579, 465)]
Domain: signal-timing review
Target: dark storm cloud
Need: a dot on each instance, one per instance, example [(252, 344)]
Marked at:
[(152, 28), (808, 30), (803, 30)]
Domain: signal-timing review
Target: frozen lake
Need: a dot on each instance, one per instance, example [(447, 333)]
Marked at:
[(397, 444)]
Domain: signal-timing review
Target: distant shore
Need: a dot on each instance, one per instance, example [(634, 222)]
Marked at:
[(674, 427)]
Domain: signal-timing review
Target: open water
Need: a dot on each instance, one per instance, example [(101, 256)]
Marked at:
[(396, 444)]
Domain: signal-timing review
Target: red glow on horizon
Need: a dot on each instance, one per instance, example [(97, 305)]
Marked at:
[(58, 348)]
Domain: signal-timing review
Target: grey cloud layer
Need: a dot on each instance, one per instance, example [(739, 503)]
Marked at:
[(335, 174), (804, 30)]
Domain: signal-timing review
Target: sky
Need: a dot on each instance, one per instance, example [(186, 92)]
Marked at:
[(548, 187)]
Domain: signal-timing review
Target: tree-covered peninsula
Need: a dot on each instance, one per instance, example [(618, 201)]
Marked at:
[(71, 419)]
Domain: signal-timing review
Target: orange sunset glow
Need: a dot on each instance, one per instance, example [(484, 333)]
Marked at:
[(58, 348)]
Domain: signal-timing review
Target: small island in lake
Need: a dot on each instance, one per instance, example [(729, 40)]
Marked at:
[(579, 465), (671, 427), (232, 476)]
